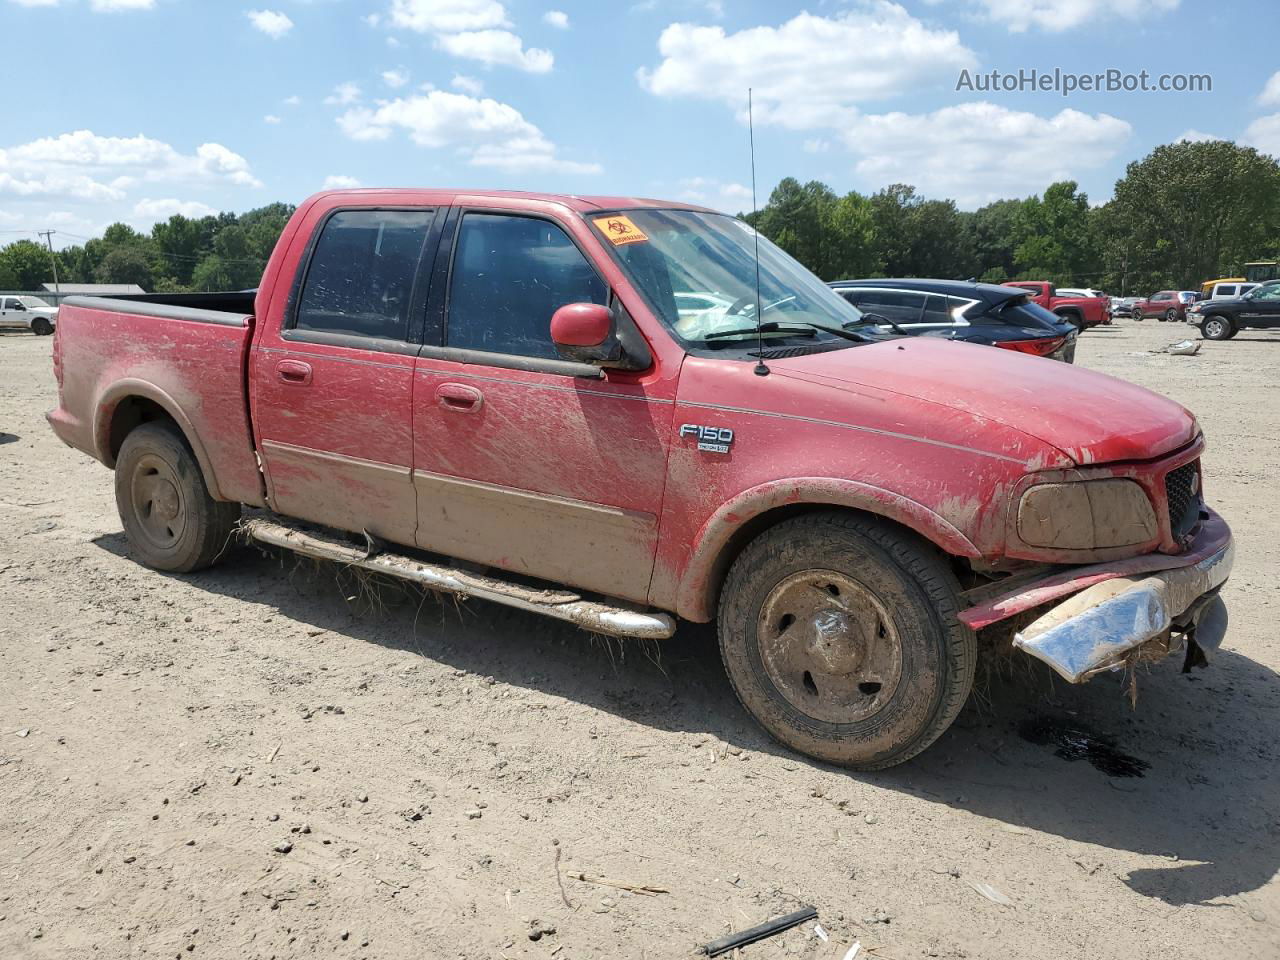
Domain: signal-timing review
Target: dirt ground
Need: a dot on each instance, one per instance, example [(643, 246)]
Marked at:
[(264, 761)]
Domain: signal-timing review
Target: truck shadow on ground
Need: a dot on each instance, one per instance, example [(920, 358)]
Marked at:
[(1203, 809)]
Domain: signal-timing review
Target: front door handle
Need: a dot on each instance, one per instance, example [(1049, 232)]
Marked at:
[(457, 396), (294, 372)]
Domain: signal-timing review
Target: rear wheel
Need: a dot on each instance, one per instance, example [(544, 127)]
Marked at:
[(840, 636), (41, 327), (1135, 313), (1217, 328), (171, 521), (1171, 315)]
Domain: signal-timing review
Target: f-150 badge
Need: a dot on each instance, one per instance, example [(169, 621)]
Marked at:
[(710, 439)]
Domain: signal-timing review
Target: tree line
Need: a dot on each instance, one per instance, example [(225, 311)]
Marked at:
[(1186, 213)]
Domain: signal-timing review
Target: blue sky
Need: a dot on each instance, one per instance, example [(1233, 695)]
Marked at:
[(134, 109)]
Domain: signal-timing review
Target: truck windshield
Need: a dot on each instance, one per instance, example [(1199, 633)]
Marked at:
[(698, 273)]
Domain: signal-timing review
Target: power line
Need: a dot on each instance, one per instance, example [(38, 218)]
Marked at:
[(48, 239)]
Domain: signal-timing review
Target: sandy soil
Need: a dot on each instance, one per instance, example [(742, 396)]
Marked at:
[(164, 740)]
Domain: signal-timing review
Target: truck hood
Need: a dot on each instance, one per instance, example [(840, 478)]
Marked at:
[(1090, 417)]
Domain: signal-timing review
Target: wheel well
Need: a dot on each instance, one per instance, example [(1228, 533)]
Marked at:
[(1069, 312), (758, 524), (131, 413)]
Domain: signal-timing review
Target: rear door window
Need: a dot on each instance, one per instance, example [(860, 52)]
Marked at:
[(360, 281), (900, 306), (510, 274)]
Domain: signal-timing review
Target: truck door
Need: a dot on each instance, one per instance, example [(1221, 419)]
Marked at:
[(1263, 308), (522, 460), (332, 373), (12, 312)]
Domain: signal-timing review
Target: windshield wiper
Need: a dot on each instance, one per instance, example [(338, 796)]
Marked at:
[(796, 328), (879, 318)]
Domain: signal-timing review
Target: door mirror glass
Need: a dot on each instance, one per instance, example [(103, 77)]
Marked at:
[(586, 333)]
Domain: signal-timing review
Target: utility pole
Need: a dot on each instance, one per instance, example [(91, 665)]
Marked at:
[(48, 239)]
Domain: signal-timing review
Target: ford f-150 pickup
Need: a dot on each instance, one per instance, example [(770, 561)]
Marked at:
[(622, 412)]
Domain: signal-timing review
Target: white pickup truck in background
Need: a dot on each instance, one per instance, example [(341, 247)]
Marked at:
[(28, 313)]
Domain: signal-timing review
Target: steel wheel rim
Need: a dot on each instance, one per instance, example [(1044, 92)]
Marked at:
[(157, 502), (829, 646), (1213, 328)]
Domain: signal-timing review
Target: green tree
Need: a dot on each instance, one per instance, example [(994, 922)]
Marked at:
[(25, 265), (127, 263), (1190, 212), (1054, 235), (991, 232), (916, 237), (829, 234)]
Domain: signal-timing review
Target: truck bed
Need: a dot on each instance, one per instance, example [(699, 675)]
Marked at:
[(122, 360)]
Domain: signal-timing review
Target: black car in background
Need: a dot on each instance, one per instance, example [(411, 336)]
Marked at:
[(961, 310), (1223, 319)]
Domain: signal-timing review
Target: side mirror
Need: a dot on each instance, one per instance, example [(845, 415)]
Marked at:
[(586, 333)]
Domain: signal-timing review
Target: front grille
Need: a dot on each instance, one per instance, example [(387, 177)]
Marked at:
[(1182, 488)]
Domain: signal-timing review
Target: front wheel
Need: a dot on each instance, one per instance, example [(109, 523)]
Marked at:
[(171, 521), (1136, 314), (1217, 328), (41, 327), (840, 636)]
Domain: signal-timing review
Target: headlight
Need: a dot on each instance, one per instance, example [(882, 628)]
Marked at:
[(1088, 515)]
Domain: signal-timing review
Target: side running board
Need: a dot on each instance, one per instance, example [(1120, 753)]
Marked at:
[(561, 604)]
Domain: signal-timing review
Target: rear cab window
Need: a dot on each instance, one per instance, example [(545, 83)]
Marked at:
[(362, 275)]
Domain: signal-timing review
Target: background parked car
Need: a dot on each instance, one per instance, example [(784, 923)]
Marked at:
[(28, 313), (1223, 319), (1229, 291), (984, 313), (1122, 306), (1082, 292), (1165, 305)]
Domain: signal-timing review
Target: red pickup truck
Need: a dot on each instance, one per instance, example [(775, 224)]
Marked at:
[(594, 408), (1084, 312)]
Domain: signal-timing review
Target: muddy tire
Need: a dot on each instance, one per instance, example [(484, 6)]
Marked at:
[(1215, 327), (41, 327), (840, 636), (1171, 315), (171, 521)]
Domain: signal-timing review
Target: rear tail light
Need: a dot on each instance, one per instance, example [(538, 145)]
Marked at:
[(1038, 348)]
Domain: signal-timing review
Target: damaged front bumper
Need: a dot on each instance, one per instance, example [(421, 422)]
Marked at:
[(1095, 630), (1112, 610)]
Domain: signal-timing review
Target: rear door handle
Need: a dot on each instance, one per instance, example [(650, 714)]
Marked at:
[(294, 372), (457, 396)]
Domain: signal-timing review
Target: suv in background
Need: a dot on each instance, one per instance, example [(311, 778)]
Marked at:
[(1229, 291), (982, 313), (1166, 305)]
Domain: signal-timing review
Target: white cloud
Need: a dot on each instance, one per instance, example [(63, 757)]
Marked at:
[(1056, 15), (447, 16), (343, 95), (492, 47), (1270, 95), (810, 68), (395, 79), (709, 192), (293, 101), (978, 152), (85, 166), (467, 84), (164, 209), (272, 119), (271, 22), (1264, 133), (484, 132), (1197, 136), (556, 18), (340, 181)]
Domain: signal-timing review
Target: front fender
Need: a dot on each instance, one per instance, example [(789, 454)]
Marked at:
[(700, 584)]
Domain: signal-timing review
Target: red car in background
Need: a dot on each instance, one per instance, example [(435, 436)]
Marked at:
[(1166, 305), (1084, 312)]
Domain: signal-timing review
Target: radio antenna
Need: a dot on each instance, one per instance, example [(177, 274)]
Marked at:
[(761, 370)]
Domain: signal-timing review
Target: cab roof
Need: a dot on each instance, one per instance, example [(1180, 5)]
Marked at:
[(579, 203)]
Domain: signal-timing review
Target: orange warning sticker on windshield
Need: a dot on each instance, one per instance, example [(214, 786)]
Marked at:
[(619, 230)]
